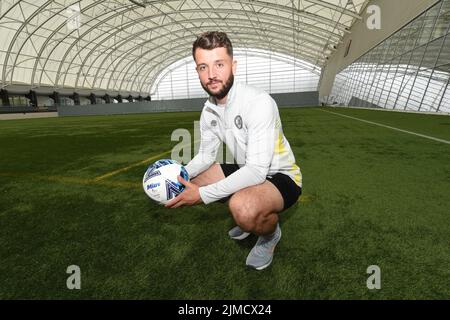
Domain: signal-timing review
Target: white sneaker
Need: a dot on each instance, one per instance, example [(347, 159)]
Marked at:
[(261, 256)]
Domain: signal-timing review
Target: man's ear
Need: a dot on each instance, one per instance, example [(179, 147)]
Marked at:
[(234, 67)]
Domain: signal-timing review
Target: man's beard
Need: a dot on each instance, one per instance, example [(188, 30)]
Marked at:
[(222, 93)]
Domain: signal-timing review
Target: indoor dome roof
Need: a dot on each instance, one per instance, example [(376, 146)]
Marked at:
[(121, 46)]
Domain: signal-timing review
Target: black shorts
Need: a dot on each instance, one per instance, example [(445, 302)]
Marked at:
[(289, 190)]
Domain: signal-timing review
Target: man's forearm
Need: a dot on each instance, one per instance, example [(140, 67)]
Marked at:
[(200, 163), (244, 177)]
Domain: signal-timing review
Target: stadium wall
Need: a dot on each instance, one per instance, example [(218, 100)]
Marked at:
[(16, 109), (130, 108), (394, 15), (298, 99)]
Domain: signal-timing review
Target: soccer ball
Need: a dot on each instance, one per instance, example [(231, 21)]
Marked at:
[(160, 180)]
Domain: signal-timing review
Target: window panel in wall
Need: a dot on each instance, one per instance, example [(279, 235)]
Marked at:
[(432, 53), (429, 24), (445, 103), (434, 93)]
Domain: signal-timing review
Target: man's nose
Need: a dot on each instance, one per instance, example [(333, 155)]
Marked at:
[(211, 73)]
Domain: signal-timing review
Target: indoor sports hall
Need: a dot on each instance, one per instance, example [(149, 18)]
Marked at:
[(93, 92)]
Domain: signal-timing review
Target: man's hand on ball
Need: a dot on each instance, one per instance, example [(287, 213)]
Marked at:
[(189, 197)]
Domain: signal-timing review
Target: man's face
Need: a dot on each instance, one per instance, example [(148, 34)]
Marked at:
[(216, 71)]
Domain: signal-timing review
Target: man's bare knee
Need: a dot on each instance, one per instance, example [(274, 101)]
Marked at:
[(243, 212)]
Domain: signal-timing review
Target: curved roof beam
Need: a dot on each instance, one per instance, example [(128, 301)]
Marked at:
[(160, 69), (187, 47), (308, 17), (248, 52), (85, 33), (50, 37), (31, 34), (253, 52), (167, 60), (164, 14), (163, 36), (147, 86), (329, 22), (10, 8), (16, 35), (239, 13), (127, 53), (321, 3), (98, 24), (335, 7), (292, 53), (176, 55), (137, 81), (288, 9), (306, 14), (135, 35)]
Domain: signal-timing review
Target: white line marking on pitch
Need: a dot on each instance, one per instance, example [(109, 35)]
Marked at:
[(113, 173), (389, 127)]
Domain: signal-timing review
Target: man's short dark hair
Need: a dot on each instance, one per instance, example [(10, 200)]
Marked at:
[(212, 40)]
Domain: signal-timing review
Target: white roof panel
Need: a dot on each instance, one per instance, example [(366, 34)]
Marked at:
[(123, 45)]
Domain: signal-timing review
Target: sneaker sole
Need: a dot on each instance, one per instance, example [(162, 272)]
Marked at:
[(259, 268), (241, 237)]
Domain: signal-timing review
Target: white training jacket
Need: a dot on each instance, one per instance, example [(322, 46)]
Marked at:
[(249, 124)]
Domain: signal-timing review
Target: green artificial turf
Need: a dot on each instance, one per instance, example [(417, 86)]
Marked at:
[(372, 196)]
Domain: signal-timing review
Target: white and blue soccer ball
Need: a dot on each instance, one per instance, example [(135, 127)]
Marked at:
[(160, 180)]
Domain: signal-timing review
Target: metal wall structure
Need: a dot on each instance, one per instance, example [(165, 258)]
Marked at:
[(408, 71), (284, 100), (269, 71)]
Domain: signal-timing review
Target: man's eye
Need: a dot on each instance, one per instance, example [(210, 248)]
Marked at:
[(220, 65)]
